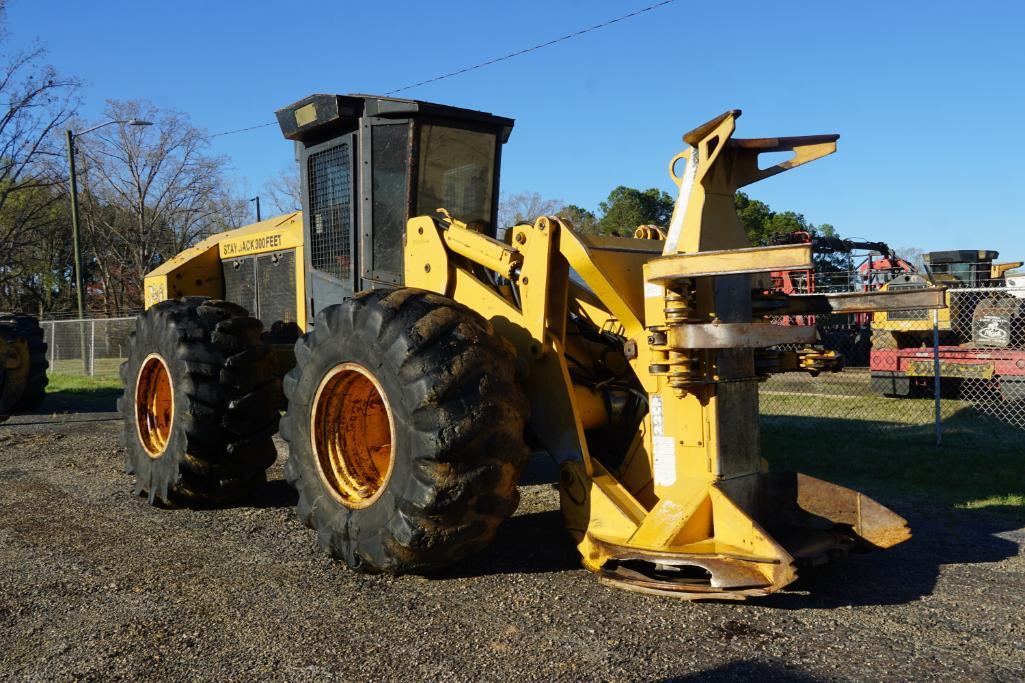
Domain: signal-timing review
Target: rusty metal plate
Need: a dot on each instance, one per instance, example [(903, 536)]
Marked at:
[(738, 335), (865, 302)]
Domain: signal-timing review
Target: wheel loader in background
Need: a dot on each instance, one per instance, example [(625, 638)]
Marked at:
[(980, 330), (424, 359), (23, 364)]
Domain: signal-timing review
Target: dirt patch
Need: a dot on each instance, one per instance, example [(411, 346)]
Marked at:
[(96, 584)]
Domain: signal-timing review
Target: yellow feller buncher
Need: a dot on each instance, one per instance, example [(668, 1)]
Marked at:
[(427, 356)]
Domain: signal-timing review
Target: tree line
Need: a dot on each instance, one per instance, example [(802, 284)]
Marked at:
[(626, 208), (145, 193)]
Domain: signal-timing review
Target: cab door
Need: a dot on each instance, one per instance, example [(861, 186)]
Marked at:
[(329, 181)]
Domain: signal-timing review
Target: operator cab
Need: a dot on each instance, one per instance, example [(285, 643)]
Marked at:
[(367, 165), (969, 267)]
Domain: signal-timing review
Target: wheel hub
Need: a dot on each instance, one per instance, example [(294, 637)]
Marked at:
[(154, 405), (353, 435)]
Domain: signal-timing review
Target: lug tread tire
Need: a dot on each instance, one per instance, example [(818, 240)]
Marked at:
[(15, 326), (459, 419), (226, 392)]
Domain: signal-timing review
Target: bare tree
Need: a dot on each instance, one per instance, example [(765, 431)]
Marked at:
[(525, 207), (283, 189), (147, 194), (35, 102), (912, 255)]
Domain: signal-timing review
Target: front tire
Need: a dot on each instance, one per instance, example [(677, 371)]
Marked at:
[(405, 429), (200, 403)]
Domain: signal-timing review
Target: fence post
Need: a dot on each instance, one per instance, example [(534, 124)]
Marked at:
[(53, 346), (81, 346), (936, 377), (92, 347)]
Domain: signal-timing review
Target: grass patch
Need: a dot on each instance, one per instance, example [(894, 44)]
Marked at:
[(1011, 500), (869, 445), (60, 382), (75, 393)]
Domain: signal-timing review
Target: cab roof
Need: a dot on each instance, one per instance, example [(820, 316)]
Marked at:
[(317, 115), (960, 256)]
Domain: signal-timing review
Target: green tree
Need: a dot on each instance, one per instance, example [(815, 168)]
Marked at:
[(583, 221), (627, 207), (755, 216)]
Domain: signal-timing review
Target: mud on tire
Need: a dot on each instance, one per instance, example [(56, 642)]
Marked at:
[(225, 392), (457, 416), (15, 326)]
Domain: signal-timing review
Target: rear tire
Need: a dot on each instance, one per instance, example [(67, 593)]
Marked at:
[(200, 403), (457, 419), (13, 327)]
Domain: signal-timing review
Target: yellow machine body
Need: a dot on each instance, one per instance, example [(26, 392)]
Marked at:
[(198, 271), (680, 502), (690, 509)]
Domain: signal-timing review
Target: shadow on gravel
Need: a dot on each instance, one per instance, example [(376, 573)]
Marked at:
[(275, 493), (745, 670), (532, 543), (909, 571), (898, 465), (103, 400)]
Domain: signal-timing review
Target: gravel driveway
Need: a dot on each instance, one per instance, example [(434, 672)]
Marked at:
[(95, 584)]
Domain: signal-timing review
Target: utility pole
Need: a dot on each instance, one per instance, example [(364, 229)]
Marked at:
[(257, 200), (76, 252), (79, 296)]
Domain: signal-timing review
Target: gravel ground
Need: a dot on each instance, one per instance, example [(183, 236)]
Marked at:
[(95, 584)]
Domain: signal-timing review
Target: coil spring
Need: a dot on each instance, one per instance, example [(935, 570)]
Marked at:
[(683, 371), (679, 309), (679, 302)]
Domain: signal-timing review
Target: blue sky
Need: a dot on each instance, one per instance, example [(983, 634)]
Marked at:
[(927, 96)]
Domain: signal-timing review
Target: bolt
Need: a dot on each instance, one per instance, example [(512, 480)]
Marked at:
[(521, 238), (427, 268), (524, 280)]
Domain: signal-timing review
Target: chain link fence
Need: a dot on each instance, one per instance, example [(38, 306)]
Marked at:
[(934, 370), (93, 347), (923, 369)]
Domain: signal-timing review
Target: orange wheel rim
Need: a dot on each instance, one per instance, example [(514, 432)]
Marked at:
[(353, 435), (154, 405)]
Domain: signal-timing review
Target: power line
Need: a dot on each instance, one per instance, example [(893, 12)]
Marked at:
[(535, 47), (489, 62), (242, 130)]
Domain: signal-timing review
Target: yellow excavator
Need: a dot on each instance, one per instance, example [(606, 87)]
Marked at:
[(425, 355)]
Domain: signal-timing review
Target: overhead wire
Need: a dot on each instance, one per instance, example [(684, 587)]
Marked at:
[(495, 60), (533, 48)]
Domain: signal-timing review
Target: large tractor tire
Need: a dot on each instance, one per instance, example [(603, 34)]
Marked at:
[(200, 403), (23, 386), (406, 431)]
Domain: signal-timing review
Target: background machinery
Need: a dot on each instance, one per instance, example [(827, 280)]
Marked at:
[(850, 335), (981, 329), (436, 358), (23, 363)]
